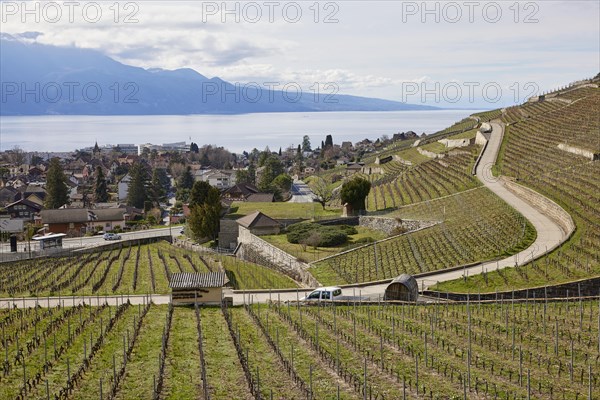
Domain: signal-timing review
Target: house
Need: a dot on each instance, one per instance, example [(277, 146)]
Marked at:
[(78, 221), (261, 198), (123, 187), (70, 221), (257, 224), (194, 288), (352, 168), (240, 192), (219, 179), (107, 219), (8, 195), (34, 193), (23, 209)]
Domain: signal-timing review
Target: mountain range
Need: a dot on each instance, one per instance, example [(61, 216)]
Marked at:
[(39, 79)]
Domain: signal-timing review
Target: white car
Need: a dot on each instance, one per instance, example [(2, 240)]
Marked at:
[(324, 294), (111, 236)]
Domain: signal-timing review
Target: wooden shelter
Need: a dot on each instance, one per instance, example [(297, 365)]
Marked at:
[(191, 288), (403, 288)]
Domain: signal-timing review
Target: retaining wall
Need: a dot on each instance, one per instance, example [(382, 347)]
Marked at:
[(542, 203), (586, 287), (391, 226), (285, 262), (578, 151)]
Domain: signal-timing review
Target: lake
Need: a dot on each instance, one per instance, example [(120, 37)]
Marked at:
[(234, 132)]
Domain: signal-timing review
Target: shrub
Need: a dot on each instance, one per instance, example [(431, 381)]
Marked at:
[(318, 235), (347, 229)]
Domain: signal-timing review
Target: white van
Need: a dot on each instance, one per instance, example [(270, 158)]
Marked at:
[(324, 294)]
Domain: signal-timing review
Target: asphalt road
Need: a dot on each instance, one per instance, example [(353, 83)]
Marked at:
[(301, 193), (89, 241)]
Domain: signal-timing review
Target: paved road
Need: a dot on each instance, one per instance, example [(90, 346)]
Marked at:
[(301, 193), (88, 241), (238, 298)]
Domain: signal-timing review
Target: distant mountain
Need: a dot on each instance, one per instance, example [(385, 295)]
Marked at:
[(43, 80)]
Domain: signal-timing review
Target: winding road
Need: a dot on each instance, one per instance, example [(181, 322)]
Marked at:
[(549, 235)]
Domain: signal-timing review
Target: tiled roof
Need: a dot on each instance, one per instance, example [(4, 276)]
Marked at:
[(257, 219), (188, 280)]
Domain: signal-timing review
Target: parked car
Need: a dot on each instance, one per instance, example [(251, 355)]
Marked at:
[(111, 236), (324, 294)]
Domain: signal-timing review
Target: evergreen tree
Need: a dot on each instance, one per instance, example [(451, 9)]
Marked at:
[(137, 193), (272, 168), (158, 188), (306, 143), (205, 205), (328, 141), (242, 176), (57, 191), (200, 192), (251, 174), (264, 156), (187, 179), (194, 148), (354, 192), (100, 188)]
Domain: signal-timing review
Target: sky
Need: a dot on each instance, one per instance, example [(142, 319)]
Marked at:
[(465, 54)]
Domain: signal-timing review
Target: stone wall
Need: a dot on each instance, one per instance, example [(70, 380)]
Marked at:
[(485, 127), (544, 204), (580, 152), (228, 233), (277, 258), (391, 226), (430, 154), (586, 287), (453, 143), (402, 160), (480, 138)]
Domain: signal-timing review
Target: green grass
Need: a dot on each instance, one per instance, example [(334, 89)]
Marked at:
[(138, 379), (224, 372), (435, 147), (283, 210), (98, 273), (510, 343), (309, 253), (182, 371), (413, 156), (247, 275)]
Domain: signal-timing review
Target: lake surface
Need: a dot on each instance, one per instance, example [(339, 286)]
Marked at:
[(234, 132)]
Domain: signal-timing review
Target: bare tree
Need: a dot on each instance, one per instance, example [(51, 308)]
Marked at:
[(16, 156), (322, 191)]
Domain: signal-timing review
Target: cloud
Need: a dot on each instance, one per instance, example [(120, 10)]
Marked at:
[(368, 52)]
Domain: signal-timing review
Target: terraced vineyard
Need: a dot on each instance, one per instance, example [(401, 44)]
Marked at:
[(530, 153), (425, 181), (487, 116), (136, 269), (500, 350), (472, 226), (461, 126)]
